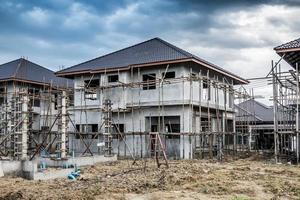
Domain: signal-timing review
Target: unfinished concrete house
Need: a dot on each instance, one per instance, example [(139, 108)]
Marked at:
[(33, 114), (152, 97), (286, 102)]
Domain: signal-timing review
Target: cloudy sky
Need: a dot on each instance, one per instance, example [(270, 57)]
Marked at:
[(237, 35)]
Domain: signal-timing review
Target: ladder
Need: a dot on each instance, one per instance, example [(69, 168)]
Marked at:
[(157, 149)]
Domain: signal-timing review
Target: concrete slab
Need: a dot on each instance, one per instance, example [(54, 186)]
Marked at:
[(78, 161), (52, 174), (54, 168)]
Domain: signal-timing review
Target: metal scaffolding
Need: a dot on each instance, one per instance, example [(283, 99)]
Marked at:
[(286, 113), (29, 125), (211, 128)]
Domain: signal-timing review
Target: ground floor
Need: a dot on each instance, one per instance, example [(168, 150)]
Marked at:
[(185, 132), (194, 179)]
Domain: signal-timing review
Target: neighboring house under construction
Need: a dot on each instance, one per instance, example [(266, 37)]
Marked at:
[(32, 110), (286, 102), (254, 125)]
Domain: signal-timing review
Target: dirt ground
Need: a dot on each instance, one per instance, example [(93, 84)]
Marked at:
[(194, 179)]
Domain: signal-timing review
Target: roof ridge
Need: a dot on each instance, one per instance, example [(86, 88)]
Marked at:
[(109, 54), (186, 53), (26, 61), (259, 103), (18, 67), (38, 65), (247, 111), (9, 62), (267, 107), (191, 55)]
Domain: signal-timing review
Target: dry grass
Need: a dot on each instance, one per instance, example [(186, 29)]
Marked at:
[(196, 179)]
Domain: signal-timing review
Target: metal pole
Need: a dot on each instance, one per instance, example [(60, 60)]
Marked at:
[(297, 114), (274, 111)]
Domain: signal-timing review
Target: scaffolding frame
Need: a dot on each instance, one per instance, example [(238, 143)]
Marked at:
[(26, 133), (286, 113), (205, 141)]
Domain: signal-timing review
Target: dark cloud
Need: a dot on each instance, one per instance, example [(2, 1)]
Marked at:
[(238, 35), (65, 32)]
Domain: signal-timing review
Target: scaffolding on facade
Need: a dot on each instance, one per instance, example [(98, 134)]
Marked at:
[(33, 121), (204, 138), (286, 113)]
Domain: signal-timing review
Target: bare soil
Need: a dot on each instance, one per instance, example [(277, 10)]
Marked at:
[(193, 179)]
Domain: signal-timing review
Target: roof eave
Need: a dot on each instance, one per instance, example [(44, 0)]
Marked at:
[(286, 50), (288, 55), (62, 74), (32, 82), (236, 78)]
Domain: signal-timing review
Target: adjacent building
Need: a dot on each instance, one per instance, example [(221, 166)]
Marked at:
[(286, 102), (255, 125), (31, 102)]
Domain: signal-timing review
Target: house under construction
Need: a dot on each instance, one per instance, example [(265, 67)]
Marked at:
[(151, 99), (151, 96), (286, 102), (33, 116)]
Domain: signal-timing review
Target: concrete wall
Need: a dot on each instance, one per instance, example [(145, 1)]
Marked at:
[(11, 167), (172, 94), (55, 168), (1, 170), (179, 99), (24, 169), (46, 106)]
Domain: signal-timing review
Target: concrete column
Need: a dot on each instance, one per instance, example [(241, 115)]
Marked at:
[(25, 123), (250, 137), (223, 129), (63, 123), (1, 170), (234, 134)]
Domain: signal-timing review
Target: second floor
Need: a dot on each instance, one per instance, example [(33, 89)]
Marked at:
[(170, 84)]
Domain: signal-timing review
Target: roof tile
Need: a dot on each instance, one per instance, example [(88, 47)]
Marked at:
[(289, 45)]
